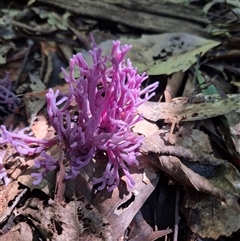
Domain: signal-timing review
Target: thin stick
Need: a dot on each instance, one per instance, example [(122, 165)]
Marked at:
[(30, 44), (10, 209), (177, 218), (60, 180)]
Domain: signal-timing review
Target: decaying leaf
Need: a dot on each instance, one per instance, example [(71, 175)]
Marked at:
[(165, 53), (211, 3), (193, 139), (162, 53), (94, 221), (233, 120), (36, 84), (4, 50), (71, 221), (55, 221), (190, 112), (178, 51), (210, 217)]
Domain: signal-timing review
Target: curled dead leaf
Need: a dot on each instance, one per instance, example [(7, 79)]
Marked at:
[(192, 166), (210, 217), (189, 112)]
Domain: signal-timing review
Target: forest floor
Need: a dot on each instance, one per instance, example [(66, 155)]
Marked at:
[(186, 173)]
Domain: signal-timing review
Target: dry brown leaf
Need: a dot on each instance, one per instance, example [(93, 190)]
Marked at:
[(157, 143), (156, 235), (6, 195), (189, 112), (184, 175), (33, 105), (141, 230), (34, 101), (15, 68), (120, 206), (48, 183), (198, 169), (20, 232), (145, 128), (48, 47), (40, 127), (173, 84)]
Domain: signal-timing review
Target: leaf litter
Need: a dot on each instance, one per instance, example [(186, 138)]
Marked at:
[(191, 140)]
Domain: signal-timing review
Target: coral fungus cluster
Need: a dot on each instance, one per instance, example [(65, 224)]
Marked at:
[(97, 114), (8, 100)]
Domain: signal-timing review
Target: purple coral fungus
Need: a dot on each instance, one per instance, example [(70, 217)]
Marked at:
[(106, 101), (8, 100)]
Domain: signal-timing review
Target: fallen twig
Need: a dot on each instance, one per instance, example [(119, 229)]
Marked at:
[(10, 209)]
